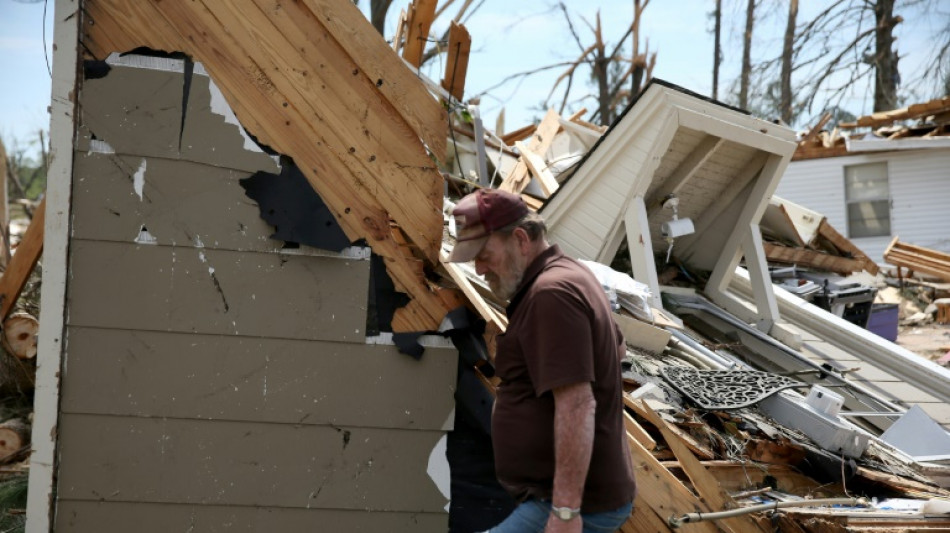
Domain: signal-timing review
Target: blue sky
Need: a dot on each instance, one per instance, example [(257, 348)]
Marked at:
[(509, 36)]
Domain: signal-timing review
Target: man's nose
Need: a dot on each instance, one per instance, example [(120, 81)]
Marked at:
[(480, 267)]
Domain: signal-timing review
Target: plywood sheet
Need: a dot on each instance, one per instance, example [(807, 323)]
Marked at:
[(119, 459), (89, 517), (134, 373), (181, 203), (200, 290)]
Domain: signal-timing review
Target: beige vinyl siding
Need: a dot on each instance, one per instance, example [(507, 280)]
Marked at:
[(212, 380)]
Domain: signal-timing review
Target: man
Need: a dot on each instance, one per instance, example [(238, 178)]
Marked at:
[(557, 428)]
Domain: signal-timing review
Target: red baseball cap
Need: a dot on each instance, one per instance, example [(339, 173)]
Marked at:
[(477, 215)]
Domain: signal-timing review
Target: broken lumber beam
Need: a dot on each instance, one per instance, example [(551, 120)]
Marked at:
[(661, 492), (539, 142), (844, 245), (519, 134), (635, 430), (812, 258), (918, 259), (538, 168), (456, 63), (701, 451), (704, 482), (422, 13), (21, 264)]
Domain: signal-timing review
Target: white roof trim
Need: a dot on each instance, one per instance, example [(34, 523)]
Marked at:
[(889, 145)]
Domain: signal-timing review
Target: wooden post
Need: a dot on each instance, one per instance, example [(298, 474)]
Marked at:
[(22, 263)]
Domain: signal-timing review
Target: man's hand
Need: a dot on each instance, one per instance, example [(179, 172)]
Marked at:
[(556, 525)]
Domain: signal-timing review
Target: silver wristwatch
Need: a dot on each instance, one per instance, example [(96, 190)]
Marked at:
[(565, 513)]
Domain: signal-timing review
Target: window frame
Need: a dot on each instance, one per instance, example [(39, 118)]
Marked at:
[(868, 200)]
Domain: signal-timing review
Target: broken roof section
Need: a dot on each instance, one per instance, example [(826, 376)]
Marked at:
[(296, 74), (720, 165), (889, 131)]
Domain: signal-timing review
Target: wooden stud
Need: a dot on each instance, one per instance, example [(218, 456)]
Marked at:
[(400, 30), (456, 62), (538, 168), (660, 491), (22, 263), (635, 430), (811, 258), (539, 142), (423, 13)]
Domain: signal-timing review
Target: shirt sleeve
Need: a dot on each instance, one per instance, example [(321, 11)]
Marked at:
[(558, 339)]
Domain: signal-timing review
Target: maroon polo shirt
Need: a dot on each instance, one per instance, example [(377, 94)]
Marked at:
[(560, 332)]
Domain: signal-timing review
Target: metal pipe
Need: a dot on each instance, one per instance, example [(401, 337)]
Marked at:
[(688, 341), (675, 522)]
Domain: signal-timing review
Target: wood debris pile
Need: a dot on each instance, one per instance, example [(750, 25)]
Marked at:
[(926, 120), (799, 236)]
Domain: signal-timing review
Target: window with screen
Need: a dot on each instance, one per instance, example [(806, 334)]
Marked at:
[(869, 200)]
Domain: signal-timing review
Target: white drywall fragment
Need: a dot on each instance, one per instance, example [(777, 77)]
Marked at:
[(138, 180)]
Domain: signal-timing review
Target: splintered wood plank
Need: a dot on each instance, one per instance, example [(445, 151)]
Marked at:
[(519, 134), (383, 67), (22, 263), (659, 490), (701, 451), (456, 63), (539, 142), (703, 481), (309, 74), (418, 33), (635, 430), (484, 310), (400, 29), (844, 244), (277, 123), (538, 168), (811, 258)]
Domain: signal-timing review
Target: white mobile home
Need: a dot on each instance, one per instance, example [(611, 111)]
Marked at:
[(876, 188)]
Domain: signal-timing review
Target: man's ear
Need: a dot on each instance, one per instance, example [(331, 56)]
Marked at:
[(522, 237)]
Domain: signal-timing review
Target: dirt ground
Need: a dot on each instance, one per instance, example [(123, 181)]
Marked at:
[(929, 340), (918, 332)]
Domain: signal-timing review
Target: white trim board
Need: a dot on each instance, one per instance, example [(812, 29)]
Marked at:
[(39, 509)]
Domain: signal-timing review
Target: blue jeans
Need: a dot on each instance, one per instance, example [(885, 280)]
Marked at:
[(532, 515)]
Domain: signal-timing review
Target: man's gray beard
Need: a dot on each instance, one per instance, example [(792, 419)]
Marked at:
[(505, 291)]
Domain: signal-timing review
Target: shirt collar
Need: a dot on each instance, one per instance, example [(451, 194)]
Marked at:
[(538, 265)]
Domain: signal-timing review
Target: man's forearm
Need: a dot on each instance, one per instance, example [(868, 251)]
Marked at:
[(574, 407)]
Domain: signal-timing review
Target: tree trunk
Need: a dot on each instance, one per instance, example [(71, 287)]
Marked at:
[(378, 10), (717, 50), (601, 71), (887, 76), (19, 335), (14, 440), (746, 55), (787, 51)]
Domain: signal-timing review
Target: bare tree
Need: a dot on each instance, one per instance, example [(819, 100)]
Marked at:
[(377, 14), (885, 57), (717, 49), (788, 46), (746, 73)]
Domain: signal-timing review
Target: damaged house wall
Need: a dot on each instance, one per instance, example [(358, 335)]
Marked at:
[(210, 376), (918, 189)]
